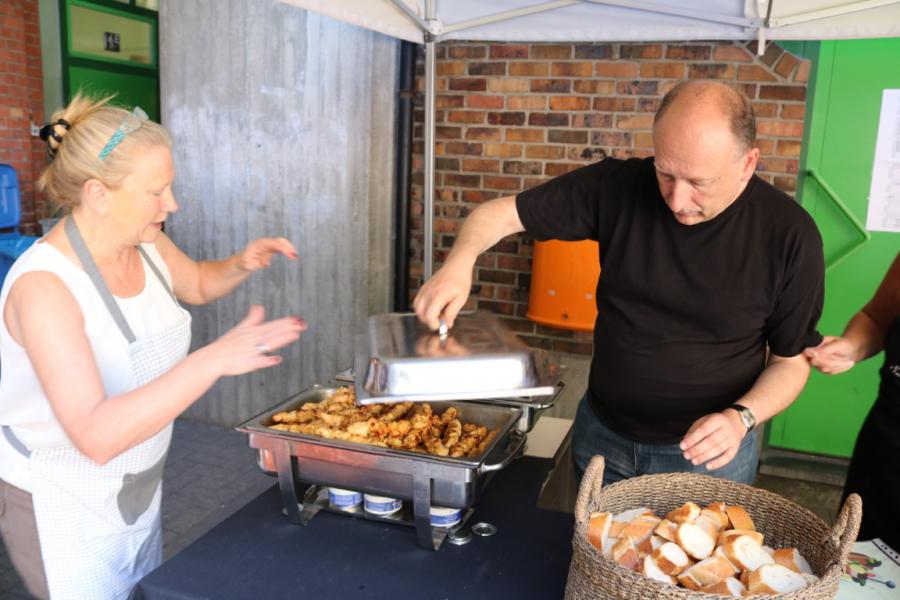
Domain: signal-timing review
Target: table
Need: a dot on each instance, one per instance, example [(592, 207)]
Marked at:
[(256, 553)]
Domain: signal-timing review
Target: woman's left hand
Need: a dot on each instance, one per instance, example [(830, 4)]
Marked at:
[(258, 253)]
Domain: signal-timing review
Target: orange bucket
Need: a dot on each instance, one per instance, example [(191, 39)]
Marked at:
[(563, 284)]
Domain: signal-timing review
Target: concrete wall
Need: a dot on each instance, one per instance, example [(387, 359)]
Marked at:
[(283, 123)]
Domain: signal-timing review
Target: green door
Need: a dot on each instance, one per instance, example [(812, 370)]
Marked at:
[(110, 47), (843, 109)]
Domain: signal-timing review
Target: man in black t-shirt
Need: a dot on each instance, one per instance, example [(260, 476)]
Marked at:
[(711, 287)]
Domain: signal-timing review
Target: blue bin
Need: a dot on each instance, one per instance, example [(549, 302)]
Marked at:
[(12, 243)]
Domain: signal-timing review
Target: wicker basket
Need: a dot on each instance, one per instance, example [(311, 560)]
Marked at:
[(784, 524)]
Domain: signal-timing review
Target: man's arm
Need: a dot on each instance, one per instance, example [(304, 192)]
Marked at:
[(714, 439), (442, 296)]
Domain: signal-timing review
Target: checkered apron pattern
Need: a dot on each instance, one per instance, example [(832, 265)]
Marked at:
[(99, 525)]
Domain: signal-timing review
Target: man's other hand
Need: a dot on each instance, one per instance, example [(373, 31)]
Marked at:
[(714, 439)]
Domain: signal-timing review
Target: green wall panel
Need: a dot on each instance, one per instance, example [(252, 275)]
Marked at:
[(843, 109), (131, 90)]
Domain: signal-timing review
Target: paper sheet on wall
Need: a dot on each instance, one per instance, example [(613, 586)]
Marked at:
[(884, 195), (873, 573)]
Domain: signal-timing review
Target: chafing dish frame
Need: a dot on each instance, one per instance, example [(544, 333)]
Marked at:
[(424, 479)]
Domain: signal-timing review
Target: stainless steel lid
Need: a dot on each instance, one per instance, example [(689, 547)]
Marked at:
[(399, 360)]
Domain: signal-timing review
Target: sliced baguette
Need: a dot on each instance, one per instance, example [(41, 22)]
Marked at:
[(598, 528), (746, 554), (685, 513), (718, 517), (792, 559), (732, 534), (698, 539), (666, 529), (625, 553), (671, 558), (727, 587), (739, 518), (652, 571), (641, 528), (775, 579)]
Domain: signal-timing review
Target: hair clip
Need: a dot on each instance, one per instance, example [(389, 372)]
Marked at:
[(124, 129), (48, 132)]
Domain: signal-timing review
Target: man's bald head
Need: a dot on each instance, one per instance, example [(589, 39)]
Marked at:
[(707, 98)]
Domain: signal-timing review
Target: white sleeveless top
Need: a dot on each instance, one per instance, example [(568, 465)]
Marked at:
[(23, 405)]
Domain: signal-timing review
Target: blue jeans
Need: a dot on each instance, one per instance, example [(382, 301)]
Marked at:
[(625, 458)]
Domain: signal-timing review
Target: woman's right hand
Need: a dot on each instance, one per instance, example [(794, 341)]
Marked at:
[(834, 355), (248, 345)]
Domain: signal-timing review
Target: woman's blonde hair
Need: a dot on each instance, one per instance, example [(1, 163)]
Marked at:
[(82, 131)]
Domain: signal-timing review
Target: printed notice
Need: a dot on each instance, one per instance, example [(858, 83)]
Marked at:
[(884, 195)]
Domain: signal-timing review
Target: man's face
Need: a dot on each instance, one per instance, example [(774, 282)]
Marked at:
[(700, 167)]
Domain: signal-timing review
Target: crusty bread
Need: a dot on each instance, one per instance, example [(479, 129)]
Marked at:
[(718, 517), (731, 534), (598, 528), (640, 528), (608, 545), (745, 553), (651, 570), (698, 538), (685, 513), (671, 558), (774, 579), (666, 529), (792, 559), (739, 518), (625, 553), (727, 587), (622, 519)]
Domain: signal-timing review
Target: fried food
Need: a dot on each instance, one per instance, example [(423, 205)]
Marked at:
[(404, 426)]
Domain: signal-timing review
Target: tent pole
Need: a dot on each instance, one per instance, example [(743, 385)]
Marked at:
[(428, 224)]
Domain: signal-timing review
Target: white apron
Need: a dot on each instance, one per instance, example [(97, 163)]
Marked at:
[(99, 526)]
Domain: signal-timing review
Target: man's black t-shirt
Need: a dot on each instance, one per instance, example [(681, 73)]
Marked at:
[(684, 311)]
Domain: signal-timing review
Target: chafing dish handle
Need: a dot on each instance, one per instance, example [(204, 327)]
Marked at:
[(513, 450)]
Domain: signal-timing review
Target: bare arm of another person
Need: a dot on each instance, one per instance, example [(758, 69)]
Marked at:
[(201, 282), (715, 439), (864, 335), (442, 296), (44, 318)]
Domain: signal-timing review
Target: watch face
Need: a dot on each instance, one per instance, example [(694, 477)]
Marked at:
[(747, 418)]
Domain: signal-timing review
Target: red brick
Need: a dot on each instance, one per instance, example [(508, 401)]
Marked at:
[(802, 74), (662, 70), (479, 101), (502, 183), (484, 133), (506, 118), (569, 103), (529, 69), (592, 120), (518, 167), (789, 148), (516, 134), (548, 152), (557, 169), (635, 122), (786, 65), (546, 51), (793, 111), (487, 68), (450, 67), (466, 116), (610, 138), (780, 128), (464, 148), (616, 104), (754, 73), (505, 85), (594, 87), (459, 180), (594, 51), (618, 70), (468, 84), (531, 102), (627, 51), (637, 88), (711, 71), (688, 52), (643, 140), (551, 85), (548, 120), (765, 109), (504, 150), (481, 165), (571, 69), (509, 51), (566, 136), (782, 92), (467, 51), (448, 133)]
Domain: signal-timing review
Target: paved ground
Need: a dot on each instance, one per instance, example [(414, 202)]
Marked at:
[(210, 473)]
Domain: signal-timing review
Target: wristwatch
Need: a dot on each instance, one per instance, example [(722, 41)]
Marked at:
[(746, 415)]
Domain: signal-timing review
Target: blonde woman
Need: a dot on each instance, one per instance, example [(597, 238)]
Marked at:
[(94, 350)]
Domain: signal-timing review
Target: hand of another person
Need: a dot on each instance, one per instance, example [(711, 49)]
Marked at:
[(834, 355), (258, 253), (247, 346), (442, 296), (714, 439)]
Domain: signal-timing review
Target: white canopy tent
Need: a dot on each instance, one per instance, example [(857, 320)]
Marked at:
[(431, 21)]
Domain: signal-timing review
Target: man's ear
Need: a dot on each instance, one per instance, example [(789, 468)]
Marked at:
[(95, 195), (748, 165)]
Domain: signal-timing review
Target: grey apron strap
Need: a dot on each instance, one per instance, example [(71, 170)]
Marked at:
[(159, 275), (90, 267), (15, 442)]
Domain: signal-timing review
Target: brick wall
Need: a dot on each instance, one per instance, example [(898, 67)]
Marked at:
[(510, 116), (21, 103)]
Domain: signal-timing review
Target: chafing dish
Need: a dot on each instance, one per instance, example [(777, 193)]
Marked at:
[(425, 480), (398, 360)]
